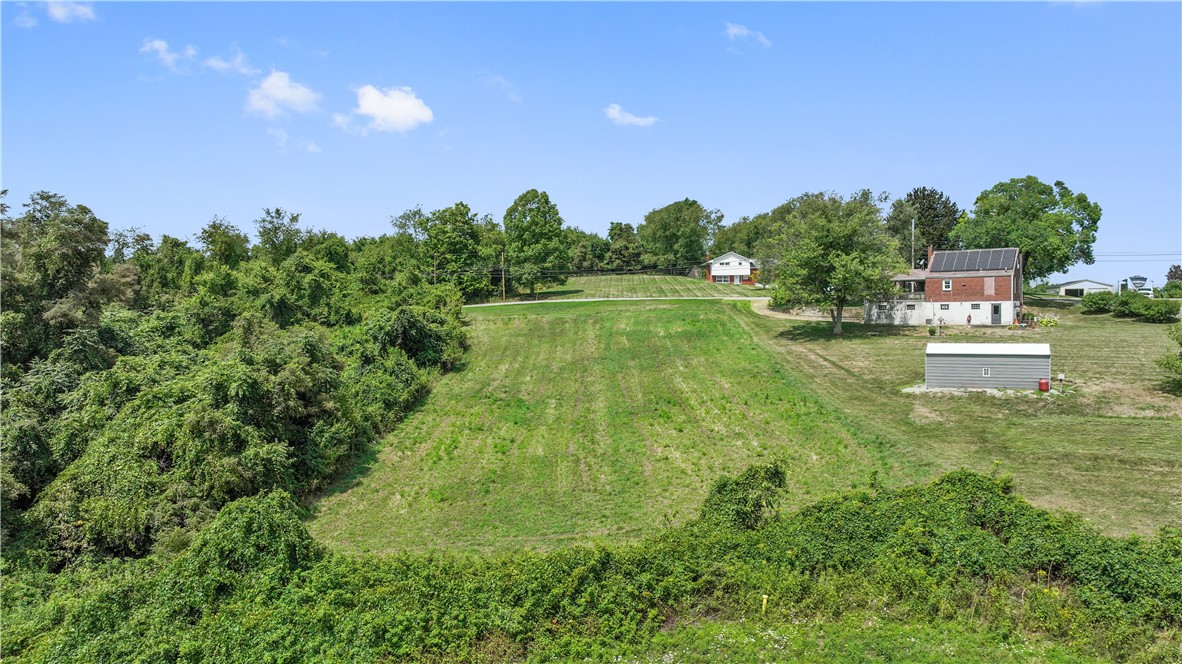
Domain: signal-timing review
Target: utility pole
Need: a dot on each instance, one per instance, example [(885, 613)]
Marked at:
[(502, 275), (913, 242)]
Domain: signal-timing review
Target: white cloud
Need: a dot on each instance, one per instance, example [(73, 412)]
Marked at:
[(735, 31), (68, 12), (621, 117), (394, 109), (25, 20), (238, 65), (277, 93), (164, 54), (312, 147), (280, 137), (504, 85)]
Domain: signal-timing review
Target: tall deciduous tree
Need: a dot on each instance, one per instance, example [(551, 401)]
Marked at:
[(224, 243), (533, 241), (678, 234), (1174, 273), (1053, 227), (829, 251), (744, 236), (451, 244), (279, 234), (624, 251)]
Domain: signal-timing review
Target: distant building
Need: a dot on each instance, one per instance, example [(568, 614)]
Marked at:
[(972, 286), (1081, 287), (731, 268)]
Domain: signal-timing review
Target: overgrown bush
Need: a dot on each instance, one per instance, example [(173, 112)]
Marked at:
[(1128, 304), (1100, 302), (1160, 311), (1172, 361), (254, 585), (1172, 289), (1048, 320)]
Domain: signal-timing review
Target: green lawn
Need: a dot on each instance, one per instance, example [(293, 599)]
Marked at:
[(644, 285), (1110, 449), (583, 421), (575, 421)]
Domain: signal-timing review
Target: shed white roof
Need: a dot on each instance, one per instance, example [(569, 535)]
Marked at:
[(1038, 350)]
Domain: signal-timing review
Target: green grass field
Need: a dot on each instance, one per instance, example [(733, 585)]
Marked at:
[(575, 421), (581, 421), (643, 285)]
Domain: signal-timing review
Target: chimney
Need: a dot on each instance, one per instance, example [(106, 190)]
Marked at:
[(931, 251)]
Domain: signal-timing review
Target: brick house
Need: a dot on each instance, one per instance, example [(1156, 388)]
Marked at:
[(973, 286), (731, 268)]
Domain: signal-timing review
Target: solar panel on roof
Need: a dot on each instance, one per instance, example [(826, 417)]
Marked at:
[(974, 260)]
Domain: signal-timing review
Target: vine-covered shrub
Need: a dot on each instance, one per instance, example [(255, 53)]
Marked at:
[(254, 586)]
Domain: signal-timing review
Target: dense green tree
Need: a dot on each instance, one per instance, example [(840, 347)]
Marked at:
[(830, 251), (451, 248), (1174, 273), (678, 234), (534, 246), (1053, 227), (934, 214), (588, 251), (624, 251), (279, 234), (744, 236), (224, 243)]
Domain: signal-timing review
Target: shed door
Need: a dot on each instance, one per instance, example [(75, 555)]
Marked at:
[(995, 318)]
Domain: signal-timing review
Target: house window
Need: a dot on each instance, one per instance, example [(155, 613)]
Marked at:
[(943, 307), (722, 279), (947, 285), (911, 307), (974, 307), (984, 372), (882, 307)]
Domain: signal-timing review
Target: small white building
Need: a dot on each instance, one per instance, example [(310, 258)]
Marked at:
[(987, 365), (1081, 287), (732, 268)]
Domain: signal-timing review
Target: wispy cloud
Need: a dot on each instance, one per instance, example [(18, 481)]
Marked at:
[(69, 12), (238, 64), (166, 55), (280, 137), (392, 109), (25, 19), (502, 84), (277, 93), (312, 148), (735, 31), (621, 117)]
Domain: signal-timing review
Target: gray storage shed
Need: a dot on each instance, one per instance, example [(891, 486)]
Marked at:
[(983, 365)]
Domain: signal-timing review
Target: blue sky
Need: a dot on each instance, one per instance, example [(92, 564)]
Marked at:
[(162, 115)]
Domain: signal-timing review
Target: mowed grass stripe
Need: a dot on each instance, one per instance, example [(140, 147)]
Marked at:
[(588, 420), (644, 285)]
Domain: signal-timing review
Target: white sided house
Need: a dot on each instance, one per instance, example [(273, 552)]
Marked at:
[(731, 268), (1082, 287), (967, 287)]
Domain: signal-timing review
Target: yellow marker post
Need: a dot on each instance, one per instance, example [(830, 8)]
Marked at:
[(764, 608)]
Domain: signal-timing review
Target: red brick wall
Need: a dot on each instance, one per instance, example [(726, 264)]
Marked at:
[(969, 289)]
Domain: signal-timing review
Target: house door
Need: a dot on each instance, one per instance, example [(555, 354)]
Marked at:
[(996, 315)]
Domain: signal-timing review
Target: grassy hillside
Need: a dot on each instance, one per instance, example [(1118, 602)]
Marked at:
[(643, 285), (605, 420), (584, 420), (1109, 449)]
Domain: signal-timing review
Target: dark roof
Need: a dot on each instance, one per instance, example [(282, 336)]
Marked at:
[(973, 260)]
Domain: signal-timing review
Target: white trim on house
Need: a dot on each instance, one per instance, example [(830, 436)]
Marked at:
[(732, 264)]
